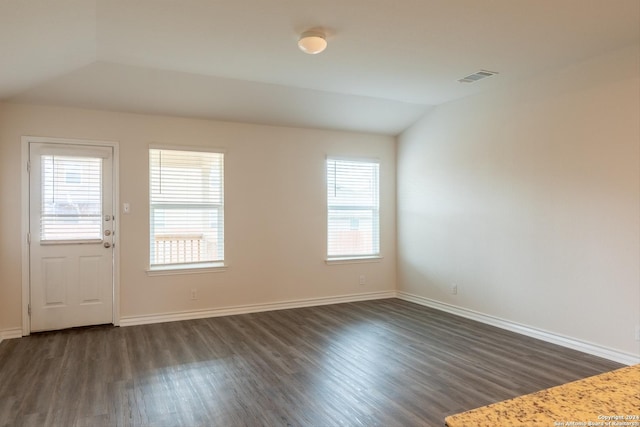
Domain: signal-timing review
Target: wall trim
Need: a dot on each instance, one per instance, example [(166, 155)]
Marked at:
[(573, 343), (8, 334), (251, 308)]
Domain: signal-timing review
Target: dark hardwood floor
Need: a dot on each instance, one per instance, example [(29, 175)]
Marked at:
[(376, 363)]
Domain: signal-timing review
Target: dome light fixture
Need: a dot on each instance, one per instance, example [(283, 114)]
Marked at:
[(312, 42)]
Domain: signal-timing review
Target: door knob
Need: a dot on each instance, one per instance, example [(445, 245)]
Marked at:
[(107, 244)]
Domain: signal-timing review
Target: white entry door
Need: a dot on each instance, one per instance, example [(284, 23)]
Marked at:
[(71, 228)]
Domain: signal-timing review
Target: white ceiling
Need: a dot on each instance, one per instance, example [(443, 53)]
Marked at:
[(387, 63)]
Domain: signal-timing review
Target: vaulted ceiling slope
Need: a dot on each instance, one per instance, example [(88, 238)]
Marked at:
[(388, 61)]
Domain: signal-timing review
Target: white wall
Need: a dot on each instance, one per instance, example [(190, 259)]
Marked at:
[(529, 200), (275, 213)]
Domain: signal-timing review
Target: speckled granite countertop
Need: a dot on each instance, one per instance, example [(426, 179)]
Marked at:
[(609, 399)]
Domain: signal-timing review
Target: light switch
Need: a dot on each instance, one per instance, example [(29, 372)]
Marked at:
[(126, 208)]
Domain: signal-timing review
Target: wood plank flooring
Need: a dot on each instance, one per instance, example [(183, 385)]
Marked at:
[(376, 363)]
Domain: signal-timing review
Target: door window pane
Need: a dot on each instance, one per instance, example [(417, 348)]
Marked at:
[(71, 198)]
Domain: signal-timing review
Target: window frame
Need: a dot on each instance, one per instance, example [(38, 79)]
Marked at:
[(193, 267), (375, 256)]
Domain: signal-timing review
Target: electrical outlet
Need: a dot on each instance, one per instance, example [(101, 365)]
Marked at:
[(362, 280), (194, 294), (454, 289)]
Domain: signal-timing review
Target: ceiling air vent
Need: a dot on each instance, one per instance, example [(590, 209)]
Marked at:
[(472, 78)]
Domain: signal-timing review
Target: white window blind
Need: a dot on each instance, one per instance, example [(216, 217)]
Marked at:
[(186, 207), (353, 226), (71, 198)]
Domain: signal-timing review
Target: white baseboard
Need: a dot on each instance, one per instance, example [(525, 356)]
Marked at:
[(575, 344), (7, 334), (251, 308), (586, 347)]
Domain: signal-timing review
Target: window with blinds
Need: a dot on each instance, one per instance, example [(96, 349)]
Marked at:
[(71, 198), (186, 207), (353, 225)]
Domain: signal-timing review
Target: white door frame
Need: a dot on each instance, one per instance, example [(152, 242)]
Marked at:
[(26, 271)]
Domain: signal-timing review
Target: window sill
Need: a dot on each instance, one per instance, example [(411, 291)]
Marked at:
[(353, 260), (171, 270)]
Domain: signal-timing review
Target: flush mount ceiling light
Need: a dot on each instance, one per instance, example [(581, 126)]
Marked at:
[(312, 42)]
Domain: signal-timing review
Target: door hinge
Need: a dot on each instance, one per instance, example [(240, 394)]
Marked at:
[(28, 238), (29, 167), (29, 309)]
